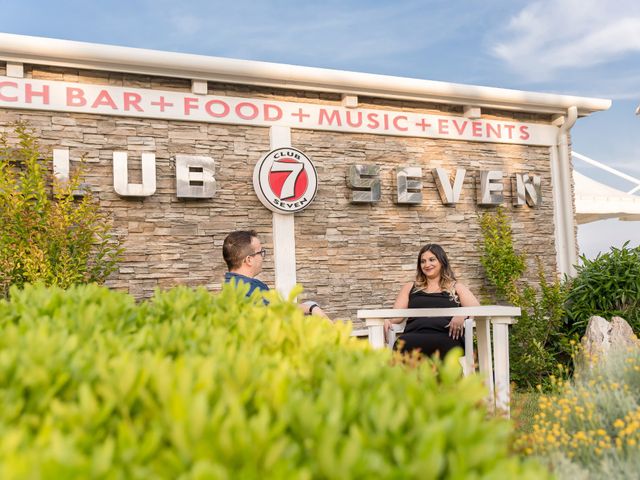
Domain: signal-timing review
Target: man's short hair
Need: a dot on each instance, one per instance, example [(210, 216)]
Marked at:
[(237, 246)]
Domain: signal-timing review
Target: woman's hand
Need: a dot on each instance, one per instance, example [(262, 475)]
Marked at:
[(387, 326), (456, 327), (402, 301)]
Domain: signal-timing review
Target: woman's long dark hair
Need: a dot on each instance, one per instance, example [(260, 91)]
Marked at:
[(447, 277)]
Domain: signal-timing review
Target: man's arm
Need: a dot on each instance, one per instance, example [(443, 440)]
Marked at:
[(312, 308)]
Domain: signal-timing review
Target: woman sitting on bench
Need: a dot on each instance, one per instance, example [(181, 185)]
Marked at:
[(435, 286)]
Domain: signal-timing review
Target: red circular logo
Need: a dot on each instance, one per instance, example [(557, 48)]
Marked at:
[(285, 180), (288, 179)]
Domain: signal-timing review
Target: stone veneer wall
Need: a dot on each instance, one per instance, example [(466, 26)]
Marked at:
[(348, 256)]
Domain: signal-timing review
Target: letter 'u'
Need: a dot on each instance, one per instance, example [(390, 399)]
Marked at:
[(121, 176)]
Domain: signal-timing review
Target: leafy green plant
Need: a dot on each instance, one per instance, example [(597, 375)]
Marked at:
[(608, 286), (538, 342), (502, 265), (51, 238), (193, 385)]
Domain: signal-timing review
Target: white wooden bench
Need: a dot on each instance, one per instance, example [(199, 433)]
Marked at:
[(494, 368), (467, 361)]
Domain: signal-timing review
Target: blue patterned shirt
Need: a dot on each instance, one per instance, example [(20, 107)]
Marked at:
[(253, 282)]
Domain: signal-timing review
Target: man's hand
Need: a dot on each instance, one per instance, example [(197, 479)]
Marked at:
[(318, 311), (312, 308)]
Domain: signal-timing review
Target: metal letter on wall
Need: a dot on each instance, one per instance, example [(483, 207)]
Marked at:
[(194, 177), (526, 189), (61, 173), (409, 183), (491, 187), (450, 195), (364, 183), (121, 176), (60, 169)]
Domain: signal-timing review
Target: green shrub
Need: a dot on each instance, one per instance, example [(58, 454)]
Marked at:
[(45, 237), (503, 267), (192, 385), (538, 343), (608, 286)]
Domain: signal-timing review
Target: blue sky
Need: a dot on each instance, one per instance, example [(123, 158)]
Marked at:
[(574, 47)]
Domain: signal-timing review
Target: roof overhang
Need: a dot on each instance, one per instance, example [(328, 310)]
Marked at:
[(596, 201), (66, 53)]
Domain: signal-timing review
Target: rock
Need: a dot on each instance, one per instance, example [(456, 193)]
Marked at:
[(596, 339), (621, 335), (603, 338)]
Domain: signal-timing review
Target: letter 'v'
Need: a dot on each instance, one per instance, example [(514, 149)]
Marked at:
[(449, 194)]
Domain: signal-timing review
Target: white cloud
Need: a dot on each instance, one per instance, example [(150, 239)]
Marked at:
[(548, 36), (353, 35), (187, 24)]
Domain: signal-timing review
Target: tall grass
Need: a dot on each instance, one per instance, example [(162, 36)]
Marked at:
[(590, 428)]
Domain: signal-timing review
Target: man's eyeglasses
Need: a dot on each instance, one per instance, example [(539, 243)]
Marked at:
[(262, 252)]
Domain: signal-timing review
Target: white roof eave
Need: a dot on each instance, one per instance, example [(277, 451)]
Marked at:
[(596, 201), (66, 53)]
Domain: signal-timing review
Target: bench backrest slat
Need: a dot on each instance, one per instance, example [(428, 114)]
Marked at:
[(481, 311)]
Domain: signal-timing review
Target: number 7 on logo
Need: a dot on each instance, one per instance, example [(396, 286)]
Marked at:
[(288, 187)]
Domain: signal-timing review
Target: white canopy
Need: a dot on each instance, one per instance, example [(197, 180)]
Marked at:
[(597, 201)]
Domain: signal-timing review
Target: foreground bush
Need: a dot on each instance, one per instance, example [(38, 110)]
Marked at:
[(192, 386), (591, 427), (48, 237), (608, 286)]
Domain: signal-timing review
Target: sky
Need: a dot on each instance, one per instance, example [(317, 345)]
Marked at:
[(587, 48)]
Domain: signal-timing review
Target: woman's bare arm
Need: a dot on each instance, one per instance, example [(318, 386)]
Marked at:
[(467, 299), (402, 301)]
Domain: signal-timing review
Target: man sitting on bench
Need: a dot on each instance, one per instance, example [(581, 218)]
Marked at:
[(244, 254)]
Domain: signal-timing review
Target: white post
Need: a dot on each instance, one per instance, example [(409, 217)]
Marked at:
[(284, 240), (561, 247), (485, 362), (376, 331), (468, 367), (501, 358)]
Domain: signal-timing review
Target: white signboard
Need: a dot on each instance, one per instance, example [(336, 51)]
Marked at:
[(24, 93)]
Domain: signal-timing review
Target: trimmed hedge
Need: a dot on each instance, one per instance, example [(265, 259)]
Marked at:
[(189, 385)]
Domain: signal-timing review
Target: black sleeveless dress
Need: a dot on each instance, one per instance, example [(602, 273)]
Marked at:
[(429, 335)]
